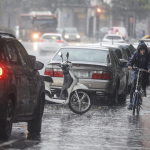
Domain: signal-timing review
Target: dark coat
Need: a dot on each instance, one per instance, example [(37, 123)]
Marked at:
[(140, 61)]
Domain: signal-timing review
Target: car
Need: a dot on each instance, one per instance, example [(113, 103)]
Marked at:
[(121, 52), (22, 88), (71, 34), (119, 31), (146, 37), (113, 38), (97, 68), (51, 42)]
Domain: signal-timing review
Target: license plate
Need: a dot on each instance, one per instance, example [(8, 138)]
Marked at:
[(81, 74)]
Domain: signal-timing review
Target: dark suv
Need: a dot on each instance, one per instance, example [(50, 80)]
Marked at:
[(21, 87)]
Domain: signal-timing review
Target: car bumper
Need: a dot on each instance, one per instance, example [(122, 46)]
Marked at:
[(97, 87)]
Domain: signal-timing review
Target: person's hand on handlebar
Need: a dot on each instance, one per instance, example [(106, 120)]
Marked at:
[(130, 67), (149, 70)]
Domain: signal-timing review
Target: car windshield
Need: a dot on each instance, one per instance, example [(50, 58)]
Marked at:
[(71, 30), (51, 37), (113, 37), (86, 55)]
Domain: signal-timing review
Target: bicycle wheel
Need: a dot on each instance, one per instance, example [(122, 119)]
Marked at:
[(79, 102), (134, 102), (138, 103)]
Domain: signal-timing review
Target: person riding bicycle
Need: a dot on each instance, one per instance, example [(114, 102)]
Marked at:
[(140, 59)]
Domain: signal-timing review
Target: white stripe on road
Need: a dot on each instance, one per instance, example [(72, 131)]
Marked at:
[(9, 142)]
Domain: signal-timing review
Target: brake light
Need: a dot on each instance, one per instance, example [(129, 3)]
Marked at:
[(53, 73), (1, 71), (101, 75), (49, 72), (60, 41), (106, 76), (58, 74), (125, 35), (41, 40), (96, 76)]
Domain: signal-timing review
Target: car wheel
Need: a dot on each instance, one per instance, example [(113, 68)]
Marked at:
[(6, 123), (34, 126), (113, 99), (123, 96)]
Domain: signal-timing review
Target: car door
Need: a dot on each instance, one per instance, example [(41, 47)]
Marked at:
[(121, 72), (30, 80), (16, 76)]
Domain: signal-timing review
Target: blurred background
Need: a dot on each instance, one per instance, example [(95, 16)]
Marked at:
[(92, 19)]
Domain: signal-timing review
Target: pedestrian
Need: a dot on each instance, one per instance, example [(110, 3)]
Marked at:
[(140, 59)]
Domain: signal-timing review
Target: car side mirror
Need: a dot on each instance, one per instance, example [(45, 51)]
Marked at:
[(38, 65), (33, 60), (123, 62)]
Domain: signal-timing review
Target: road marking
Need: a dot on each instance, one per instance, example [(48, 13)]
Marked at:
[(9, 142)]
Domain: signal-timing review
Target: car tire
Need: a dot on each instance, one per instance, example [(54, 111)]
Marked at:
[(122, 97), (6, 123), (34, 126), (113, 99)]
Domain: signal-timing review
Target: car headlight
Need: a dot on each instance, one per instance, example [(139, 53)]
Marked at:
[(66, 36), (77, 36), (35, 36)]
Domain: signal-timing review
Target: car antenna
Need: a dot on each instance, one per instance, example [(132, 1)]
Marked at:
[(112, 40), (101, 41)]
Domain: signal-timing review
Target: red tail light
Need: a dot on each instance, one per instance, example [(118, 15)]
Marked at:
[(60, 41), (53, 73), (96, 76), (106, 76), (49, 72), (58, 74), (101, 75), (125, 35), (1, 71), (41, 40)]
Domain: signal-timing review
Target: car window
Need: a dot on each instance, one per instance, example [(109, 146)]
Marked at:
[(88, 55), (113, 37), (128, 52), (132, 49), (10, 52), (117, 61), (125, 56), (118, 53), (51, 37), (22, 54)]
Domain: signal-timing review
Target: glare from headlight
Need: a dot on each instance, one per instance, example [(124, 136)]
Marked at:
[(66, 36), (78, 36), (35, 36)]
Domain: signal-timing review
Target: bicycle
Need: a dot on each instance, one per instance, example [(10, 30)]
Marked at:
[(137, 95)]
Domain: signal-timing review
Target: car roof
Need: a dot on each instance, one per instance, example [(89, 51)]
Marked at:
[(104, 45), (52, 34), (87, 47), (6, 35), (113, 35)]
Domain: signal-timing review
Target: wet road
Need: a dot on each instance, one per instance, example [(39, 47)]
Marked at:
[(103, 127)]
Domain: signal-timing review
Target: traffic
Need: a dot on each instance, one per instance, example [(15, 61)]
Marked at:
[(74, 75)]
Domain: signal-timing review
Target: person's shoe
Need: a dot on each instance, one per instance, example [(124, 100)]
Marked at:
[(130, 106), (144, 93)]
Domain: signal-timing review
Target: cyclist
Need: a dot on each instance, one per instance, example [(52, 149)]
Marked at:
[(139, 59)]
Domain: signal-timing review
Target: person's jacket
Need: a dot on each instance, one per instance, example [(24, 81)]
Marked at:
[(138, 60)]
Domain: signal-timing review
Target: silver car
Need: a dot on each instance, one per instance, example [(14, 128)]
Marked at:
[(97, 68)]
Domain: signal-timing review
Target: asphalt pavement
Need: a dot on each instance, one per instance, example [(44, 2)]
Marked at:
[(103, 127)]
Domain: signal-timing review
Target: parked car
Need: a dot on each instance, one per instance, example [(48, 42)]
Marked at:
[(97, 68), (22, 87), (122, 54), (71, 34), (119, 31), (51, 42), (113, 38)]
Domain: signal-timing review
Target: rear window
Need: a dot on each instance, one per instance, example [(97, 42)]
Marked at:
[(86, 55), (51, 37), (113, 37)]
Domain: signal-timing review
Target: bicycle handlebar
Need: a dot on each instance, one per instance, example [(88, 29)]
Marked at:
[(139, 69)]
